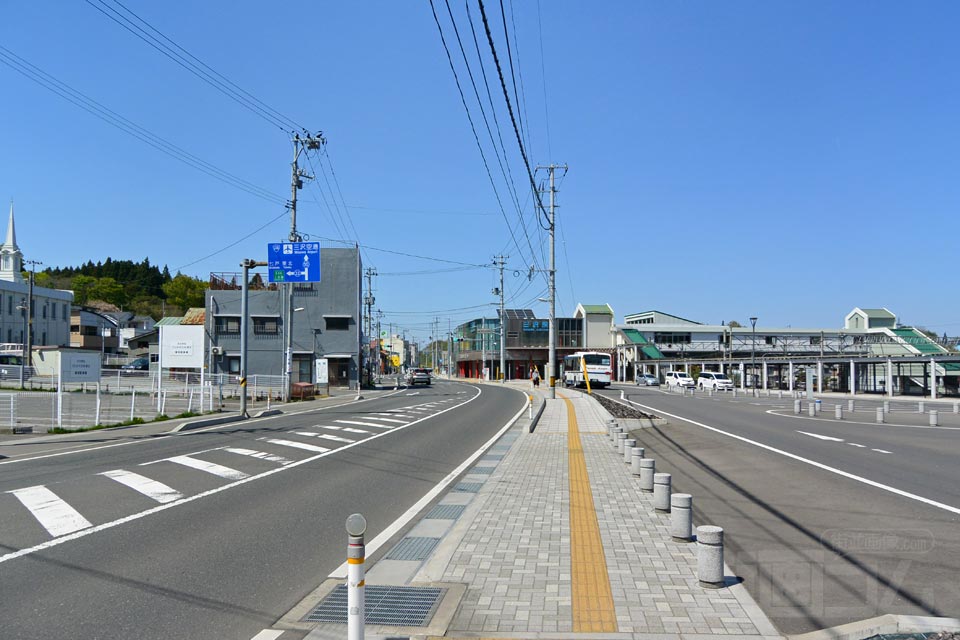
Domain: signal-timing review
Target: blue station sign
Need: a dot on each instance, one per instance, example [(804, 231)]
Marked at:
[(293, 261)]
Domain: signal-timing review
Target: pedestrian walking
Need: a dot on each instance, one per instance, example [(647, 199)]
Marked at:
[(535, 376)]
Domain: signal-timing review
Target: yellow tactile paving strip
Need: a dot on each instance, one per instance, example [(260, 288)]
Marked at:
[(592, 599)]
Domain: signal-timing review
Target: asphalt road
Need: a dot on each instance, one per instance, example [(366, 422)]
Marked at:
[(218, 533), (826, 521)]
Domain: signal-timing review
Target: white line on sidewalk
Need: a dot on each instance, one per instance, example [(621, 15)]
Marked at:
[(208, 467), (56, 516), (813, 463), (297, 445), (150, 488), (262, 455)]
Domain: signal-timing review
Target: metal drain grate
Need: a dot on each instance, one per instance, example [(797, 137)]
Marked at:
[(391, 606), (413, 549), (445, 512), (468, 487)]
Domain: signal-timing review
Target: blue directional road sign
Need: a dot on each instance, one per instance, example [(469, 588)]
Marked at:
[(293, 261)]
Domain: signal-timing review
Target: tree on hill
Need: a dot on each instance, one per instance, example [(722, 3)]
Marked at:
[(185, 292)]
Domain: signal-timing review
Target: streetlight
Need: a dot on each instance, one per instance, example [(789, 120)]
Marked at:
[(753, 350)]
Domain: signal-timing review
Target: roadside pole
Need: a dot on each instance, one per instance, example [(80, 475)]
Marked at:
[(244, 296), (356, 555)]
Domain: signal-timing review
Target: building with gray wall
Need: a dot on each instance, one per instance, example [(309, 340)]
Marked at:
[(325, 323)]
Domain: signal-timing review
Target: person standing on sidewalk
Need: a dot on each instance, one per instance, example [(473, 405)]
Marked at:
[(535, 377)]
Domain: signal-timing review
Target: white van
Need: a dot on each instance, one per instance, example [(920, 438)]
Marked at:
[(714, 380), (679, 379)]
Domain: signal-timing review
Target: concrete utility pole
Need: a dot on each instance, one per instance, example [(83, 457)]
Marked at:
[(27, 359), (368, 300), (310, 142), (553, 278), (244, 321), (500, 261)]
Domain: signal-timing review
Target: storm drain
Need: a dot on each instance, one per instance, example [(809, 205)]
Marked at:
[(468, 487), (413, 549), (482, 470), (386, 605), (445, 512)]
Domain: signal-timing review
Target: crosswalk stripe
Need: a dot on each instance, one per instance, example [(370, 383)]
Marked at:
[(365, 424), (323, 426), (297, 445), (150, 488), (262, 455), (327, 436), (56, 516), (208, 467), (386, 419), (352, 430)]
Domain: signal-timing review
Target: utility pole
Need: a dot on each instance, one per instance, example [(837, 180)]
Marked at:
[(368, 300), (27, 359), (247, 264), (552, 365), (310, 142), (500, 261)]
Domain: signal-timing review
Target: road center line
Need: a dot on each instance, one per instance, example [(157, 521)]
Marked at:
[(813, 463)]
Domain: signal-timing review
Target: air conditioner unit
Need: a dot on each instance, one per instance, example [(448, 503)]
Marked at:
[(217, 351)]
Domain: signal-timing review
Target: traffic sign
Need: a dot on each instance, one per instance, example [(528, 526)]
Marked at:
[(293, 261)]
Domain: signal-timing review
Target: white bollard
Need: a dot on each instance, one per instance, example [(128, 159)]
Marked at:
[(797, 407), (880, 415), (886, 406), (622, 397), (920, 407), (838, 412), (851, 405), (811, 408), (934, 418), (613, 433), (648, 467), (780, 394), (661, 492), (628, 446), (817, 404), (356, 555), (133, 401), (621, 440), (734, 392), (710, 556), (681, 517), (956, 407), (636, 455)]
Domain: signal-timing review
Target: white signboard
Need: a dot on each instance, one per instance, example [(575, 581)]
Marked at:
[(323, 371), (181, 346), (79, 367)]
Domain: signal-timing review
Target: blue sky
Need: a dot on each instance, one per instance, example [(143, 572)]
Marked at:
[(784, 160)]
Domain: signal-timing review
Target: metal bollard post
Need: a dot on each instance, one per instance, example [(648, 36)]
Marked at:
[(811, 408), (838, 412), (818, 404), (621, 440), (851, 405), (628, 446), (797, 407), (648, 467), (920, 407), (661, 492), (886, 406), (636, 455), (880, 415), (710, 556), (613, 433), (611, 423), (681, 517), (356, 554), (934, 418)]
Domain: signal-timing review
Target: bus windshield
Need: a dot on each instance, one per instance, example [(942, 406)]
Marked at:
[(597, 359)]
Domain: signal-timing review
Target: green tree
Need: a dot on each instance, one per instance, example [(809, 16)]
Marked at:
[(43, 279), (108, 290), (185, 292), (81, 286)]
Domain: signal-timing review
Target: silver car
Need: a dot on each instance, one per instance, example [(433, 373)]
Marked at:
[(648, 380)]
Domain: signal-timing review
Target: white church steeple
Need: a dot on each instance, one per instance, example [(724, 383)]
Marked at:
[(11, 259)]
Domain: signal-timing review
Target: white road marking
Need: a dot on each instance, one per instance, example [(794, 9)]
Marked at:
[(352, 430), (365, 424), (387, 419), (854, 444), (209, 467), (325, 436), (150, 488), (881, 450), (820, 437), (377, 542), (56, 516), (321, 426), (813, 463), (415, 393), (297, 445), (262, 455), (268, 634)]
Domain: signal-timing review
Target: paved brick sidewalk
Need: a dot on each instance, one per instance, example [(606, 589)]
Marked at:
[(512, 546)]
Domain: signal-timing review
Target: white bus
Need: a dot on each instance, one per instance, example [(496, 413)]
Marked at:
[(598, 369)]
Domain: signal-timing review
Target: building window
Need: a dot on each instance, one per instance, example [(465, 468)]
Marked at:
[(65, 310), (662, 337), (337, 323), (771, 340), (9, 335), (10, 305), (227, 325), (44, 314), (815, 340), (233, 365), (53, 311), (265, 326)]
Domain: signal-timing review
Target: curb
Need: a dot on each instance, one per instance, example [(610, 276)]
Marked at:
[(209, 422), (882, 625)]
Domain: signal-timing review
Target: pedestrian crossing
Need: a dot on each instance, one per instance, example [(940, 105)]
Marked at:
[(60, 513)]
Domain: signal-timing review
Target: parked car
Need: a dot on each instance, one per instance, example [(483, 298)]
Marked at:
[(419, 376), (140, 364), (679, 379), (648, 380), (713, 380)]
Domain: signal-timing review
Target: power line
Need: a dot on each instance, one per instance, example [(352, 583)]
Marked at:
[(398, 253), (114, 119), (235, 243), (543, 77), (513, 77)]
